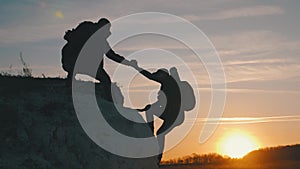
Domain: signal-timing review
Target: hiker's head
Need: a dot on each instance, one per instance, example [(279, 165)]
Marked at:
[(161, 73), (103, 21), (104, 24)]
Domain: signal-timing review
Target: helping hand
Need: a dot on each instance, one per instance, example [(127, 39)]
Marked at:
[(134, 63)]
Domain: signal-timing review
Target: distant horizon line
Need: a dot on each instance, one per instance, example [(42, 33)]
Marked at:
[(227, 156)]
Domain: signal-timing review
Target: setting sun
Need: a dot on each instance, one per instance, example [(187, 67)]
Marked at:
[(236, 144)]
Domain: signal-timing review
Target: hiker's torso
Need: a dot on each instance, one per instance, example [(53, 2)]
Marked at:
[(172, 95)]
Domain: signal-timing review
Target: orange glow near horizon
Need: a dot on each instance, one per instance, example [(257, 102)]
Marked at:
[(237, 144)]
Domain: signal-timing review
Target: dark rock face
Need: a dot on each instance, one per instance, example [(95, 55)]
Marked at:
[(39, 129)]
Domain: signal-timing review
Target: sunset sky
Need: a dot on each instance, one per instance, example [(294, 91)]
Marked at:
[(258, 42)]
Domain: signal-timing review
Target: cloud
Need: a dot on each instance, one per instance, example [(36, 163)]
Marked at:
[(247, 56), (260, 10), (255, 56), (253, 42), (262, 72), (44, 20), (32, 33), (146, 87), (258, 56), (247, 120)]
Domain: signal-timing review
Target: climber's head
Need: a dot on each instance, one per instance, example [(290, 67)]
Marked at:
[(161, 73), (105, 25)]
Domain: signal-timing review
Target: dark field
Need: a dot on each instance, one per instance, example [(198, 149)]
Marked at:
[(281, 157), (286, 165)]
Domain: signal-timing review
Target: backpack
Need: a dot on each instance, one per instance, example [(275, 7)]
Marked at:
[(76, 38), (188, 98), (187, 95)]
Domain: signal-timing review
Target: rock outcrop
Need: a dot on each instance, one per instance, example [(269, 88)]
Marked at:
[(39, 129)]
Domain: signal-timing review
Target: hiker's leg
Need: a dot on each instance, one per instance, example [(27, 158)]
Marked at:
[(149, 119), (161, 143), (161, 137), (69, 79), (102, 76), (69, 71), (104, 79), (70, 75)]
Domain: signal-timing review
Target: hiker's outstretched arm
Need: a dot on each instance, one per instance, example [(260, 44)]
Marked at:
[(117, 58), (145, 73)]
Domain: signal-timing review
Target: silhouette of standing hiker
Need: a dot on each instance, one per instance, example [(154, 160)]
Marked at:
[(168, 106), (77, 37)]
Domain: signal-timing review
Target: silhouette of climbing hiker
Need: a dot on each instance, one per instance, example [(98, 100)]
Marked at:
[(168, 102), (168, 106), (76, 38)]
